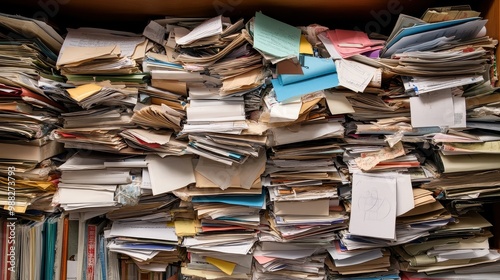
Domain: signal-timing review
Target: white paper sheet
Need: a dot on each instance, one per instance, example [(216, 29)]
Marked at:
[(208, 28), (146, 230), (354, 75), (169, 173), (438, 108), (373, 211)]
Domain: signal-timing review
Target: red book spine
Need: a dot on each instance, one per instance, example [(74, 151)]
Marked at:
[(91, 251)]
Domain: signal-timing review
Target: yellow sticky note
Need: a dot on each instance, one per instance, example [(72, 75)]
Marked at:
[(185, 228), (81, 92), (225, 266), (305, 46)]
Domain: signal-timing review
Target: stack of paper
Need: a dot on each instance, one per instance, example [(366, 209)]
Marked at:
[(204, 44), (305, 203), (476, 147), (93, 51), (228, 202), (428, 36), (437, 14), (158, 116), (90, 181), (343, 264), (218, 254), (30, 49), (161, 142), (383, 173), (222, 116), (155, 96), (274, 260), (465, 185), (459, 244), (146, 213), (102, 112), (458, 61), (35, 184), (407, 213), (370, 106), (239, 71), (151, 245), (28, 114), (93, 95)]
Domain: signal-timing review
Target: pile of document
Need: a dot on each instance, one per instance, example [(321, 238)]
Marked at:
[(152, 245), (28, 114), (276, 260), (228, 202), (112, 119), (101, 116), (348, 264), (304, 214), (93, 180), (257, 150), (228, 231), (461, 243), (402, 135), (93, 51)]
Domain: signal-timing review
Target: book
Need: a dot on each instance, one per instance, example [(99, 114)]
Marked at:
[(91, 251), (64, 249)]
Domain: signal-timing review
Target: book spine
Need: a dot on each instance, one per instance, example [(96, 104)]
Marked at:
[(102, 257), (91, 251), (64, 252)]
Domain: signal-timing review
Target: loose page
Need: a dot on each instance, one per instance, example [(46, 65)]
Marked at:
[(169, 173), (438, 108), (275, 37), (373, 211)]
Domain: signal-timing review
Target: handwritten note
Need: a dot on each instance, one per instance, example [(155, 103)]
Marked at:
[(373, 211), (367, 161), (354, 75), (275, 37)]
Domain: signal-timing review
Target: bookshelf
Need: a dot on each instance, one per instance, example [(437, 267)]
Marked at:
[(132, 15)]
